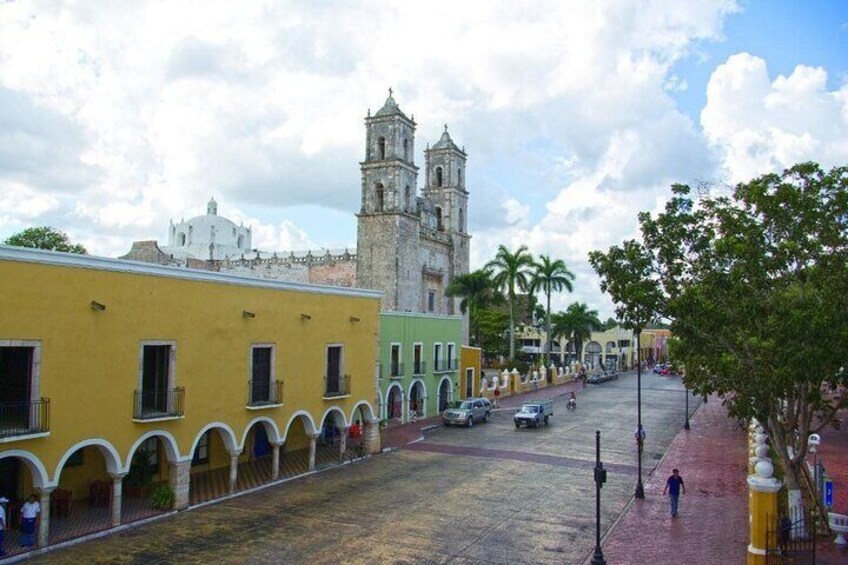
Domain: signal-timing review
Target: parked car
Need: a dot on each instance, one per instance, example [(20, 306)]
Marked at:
[(659, 368), (602, 377), (468, 411), (534, 413), (668, 370)]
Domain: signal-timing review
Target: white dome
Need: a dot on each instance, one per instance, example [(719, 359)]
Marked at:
[(208, 236)]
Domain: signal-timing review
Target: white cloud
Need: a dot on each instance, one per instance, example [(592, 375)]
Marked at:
[(758, 126), (565, 109)]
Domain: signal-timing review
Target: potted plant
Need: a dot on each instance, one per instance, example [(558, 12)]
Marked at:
[(163, 497)]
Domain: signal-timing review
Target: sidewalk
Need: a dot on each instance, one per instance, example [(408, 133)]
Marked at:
[(712, 524)]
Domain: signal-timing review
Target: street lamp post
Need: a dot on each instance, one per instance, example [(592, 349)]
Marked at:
[(686, 390), (814, 440), (640, 489), (600, 479)]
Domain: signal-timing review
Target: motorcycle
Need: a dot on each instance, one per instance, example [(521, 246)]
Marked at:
[(572, 404)]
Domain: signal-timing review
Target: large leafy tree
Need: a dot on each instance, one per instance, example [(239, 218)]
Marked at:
[(576, 324), (477, 291), (550, 276), (511, 271), (755, 284), (45, 238)]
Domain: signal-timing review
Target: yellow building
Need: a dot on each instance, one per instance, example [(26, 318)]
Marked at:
[(120, 378), (470, 371)]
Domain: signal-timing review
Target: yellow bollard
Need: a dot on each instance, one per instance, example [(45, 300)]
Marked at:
[(762, 505)]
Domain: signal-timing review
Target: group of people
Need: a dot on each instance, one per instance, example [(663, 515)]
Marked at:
[(28, 521)]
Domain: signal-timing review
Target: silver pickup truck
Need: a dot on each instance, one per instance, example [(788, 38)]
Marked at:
[(534, 413)]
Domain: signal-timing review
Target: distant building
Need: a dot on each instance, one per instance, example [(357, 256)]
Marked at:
[(409, 246)]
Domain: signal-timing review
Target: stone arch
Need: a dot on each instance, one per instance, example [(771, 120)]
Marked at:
[(461, 220), (110, 456), (367, 411), (227, 434), (308, 423), (270, 426), (405, 149), (172, 450), (36, 468), (459, 176), (440, 176), (417, 395), (394, 401), (330, 415), (181, 239), (444, 385), (408, 198), (592, 353), (381, 148), (439, 221)]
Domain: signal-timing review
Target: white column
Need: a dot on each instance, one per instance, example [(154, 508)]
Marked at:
[(234, 456), (44, 520), (117, 482), (343, 442), (313, 439), (179, 479), (275, 462)]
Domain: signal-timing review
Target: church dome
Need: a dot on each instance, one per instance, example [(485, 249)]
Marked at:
[(445, 142), (208, 236)]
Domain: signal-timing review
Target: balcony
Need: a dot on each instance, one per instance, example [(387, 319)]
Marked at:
[(419, 368), (154, 405), (396, 370), (336, 386), (24, 419), (264, 394), (445, 365)]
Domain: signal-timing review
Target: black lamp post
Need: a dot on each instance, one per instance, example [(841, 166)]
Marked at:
[(640, 489), (600, 479), (686, 390)]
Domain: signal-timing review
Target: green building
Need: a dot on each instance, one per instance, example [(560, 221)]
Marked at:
[(419, 364)]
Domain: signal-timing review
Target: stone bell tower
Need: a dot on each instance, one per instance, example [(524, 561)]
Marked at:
[(387, 226)]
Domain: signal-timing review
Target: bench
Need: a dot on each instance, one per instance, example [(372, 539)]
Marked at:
[(838, 523)]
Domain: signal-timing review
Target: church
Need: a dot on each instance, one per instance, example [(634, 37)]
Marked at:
[(411, 242)]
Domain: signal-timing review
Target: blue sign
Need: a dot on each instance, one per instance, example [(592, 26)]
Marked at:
[(828, 493)]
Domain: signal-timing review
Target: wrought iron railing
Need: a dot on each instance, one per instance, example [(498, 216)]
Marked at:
[(396, 370), (24, 417), (445, 365), (153, 404), (264, 393), (336, 385), (419, 368)]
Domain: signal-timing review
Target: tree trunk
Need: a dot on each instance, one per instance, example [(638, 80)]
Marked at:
[(511, 326), (548, 324), (791, 477)]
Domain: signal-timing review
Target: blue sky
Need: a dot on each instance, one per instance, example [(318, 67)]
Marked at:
[(576, 115)]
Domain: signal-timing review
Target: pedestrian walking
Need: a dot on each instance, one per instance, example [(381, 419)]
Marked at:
[(674, 487), (640, 436), (29, 519), (497, 395)]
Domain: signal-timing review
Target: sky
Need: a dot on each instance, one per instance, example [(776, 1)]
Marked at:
[(118, 117)]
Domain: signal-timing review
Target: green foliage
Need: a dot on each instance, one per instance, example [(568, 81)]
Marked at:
[(756, 288), (163, 497), (550, 276), (45, 238), (140, 473), (576, 324), (477, 291), (493, 326), (510, 271)]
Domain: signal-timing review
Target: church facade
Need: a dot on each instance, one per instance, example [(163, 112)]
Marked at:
[(410, 246), (411, 242)]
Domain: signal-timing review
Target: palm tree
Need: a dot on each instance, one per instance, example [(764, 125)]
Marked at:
[(510, 270), (583, 322), (550, 276), (477, 291)]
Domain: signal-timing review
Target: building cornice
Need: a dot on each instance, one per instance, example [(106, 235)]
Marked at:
[(57, 259)]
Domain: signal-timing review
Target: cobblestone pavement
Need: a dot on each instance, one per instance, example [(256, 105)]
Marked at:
[(490, 494)]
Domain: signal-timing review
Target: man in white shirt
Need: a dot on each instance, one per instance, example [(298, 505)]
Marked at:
[(29, 520)]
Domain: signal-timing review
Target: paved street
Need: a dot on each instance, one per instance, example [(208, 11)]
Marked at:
[(488, 494)]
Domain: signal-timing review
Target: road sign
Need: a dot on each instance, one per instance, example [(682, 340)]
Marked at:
[(828, 493)]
